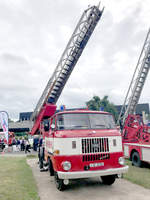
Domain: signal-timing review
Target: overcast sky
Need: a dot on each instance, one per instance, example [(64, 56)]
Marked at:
[(34, 33)]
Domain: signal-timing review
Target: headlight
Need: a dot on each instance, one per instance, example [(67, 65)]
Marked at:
[(121, 161), (66, 165), (56, 152)]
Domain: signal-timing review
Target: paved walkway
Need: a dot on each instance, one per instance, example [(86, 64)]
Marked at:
[(86, 189)]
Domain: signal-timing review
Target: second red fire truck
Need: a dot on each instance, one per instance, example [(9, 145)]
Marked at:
[(135, 133)]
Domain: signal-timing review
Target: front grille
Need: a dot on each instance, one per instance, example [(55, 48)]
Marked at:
[(93, 157), (95, 145)]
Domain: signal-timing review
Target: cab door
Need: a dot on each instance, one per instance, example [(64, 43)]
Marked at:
[(50, 139)]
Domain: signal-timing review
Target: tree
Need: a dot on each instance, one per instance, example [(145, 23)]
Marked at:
[(104, 104)]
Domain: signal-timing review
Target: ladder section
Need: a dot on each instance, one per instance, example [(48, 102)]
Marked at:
[(69, 58), (137, 82)]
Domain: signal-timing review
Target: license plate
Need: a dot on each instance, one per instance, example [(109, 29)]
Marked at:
[(96, 164)]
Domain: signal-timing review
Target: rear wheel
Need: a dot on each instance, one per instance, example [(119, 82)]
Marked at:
[(108, 180), (59, 182), (136, 159)]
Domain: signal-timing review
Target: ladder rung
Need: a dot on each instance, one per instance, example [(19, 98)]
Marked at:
[(50, 100), (55, 90), (52, 96), (59, 81), (62, 73), (61, 77), (144, 73)]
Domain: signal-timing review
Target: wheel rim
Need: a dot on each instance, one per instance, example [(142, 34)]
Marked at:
[(135, 159)]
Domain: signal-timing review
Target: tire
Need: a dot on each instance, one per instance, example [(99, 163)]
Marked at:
[(108, 180), (50, 167), (136, 159), (59, 182)]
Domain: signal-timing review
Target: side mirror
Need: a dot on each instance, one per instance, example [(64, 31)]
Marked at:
[(53, 126), (46, 127)]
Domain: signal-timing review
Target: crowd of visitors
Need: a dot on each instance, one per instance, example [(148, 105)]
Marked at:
[(2, 143), (22, 144), (16, 144)]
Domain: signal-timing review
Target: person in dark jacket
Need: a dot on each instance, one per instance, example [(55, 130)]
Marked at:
[(22, 144), (35, 143), (27, 146)]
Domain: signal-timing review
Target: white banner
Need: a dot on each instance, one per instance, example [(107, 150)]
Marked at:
[(4, 123)]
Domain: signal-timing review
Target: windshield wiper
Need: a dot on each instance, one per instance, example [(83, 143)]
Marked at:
[(77, 126), (100, 125)]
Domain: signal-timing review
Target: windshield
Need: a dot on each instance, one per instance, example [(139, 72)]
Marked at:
[(85, 121)]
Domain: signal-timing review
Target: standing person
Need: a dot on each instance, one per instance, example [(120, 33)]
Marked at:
[(18, 144), (22, 144), (35, 143), (27, 146), (41, 155), (14, 144), (2, 144)]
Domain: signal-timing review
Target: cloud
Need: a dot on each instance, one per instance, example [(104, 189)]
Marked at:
[(34, 35)]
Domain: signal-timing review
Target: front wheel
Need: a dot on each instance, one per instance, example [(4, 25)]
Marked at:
[(59, 182), (136, 159), (108, 180)]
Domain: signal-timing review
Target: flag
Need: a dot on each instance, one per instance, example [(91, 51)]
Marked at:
[(4, 123)]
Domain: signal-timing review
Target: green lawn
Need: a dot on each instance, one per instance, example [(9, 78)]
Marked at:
[(140, 176), (16, 180)]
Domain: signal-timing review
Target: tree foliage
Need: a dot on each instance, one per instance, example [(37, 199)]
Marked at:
[(96, 104)]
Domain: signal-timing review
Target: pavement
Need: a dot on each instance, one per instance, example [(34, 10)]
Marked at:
[(86, 189)]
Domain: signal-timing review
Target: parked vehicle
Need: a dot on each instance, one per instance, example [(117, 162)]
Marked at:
[(136, 134), (81, 143)]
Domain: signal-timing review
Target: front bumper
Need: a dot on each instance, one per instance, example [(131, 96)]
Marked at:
[(88, 174)]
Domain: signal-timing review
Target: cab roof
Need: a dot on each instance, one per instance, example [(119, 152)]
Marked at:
[(83, 111)]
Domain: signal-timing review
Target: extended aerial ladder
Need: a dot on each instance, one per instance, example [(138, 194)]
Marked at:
[(46, 105), (137, 82)]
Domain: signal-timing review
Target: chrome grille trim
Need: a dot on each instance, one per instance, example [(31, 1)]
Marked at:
[(95, 145), (93, 157)]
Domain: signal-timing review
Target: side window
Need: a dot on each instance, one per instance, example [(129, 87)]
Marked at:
[(45, 125), (53, 122), (60, 122)]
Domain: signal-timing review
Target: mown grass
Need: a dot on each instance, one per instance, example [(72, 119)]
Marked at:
[(137, 175), (16, 180)]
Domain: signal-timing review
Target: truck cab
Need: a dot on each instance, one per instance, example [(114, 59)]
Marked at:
[(83, 144)]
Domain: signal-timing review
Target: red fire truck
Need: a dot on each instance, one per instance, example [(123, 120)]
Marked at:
[(76, 143), (136, 134)]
